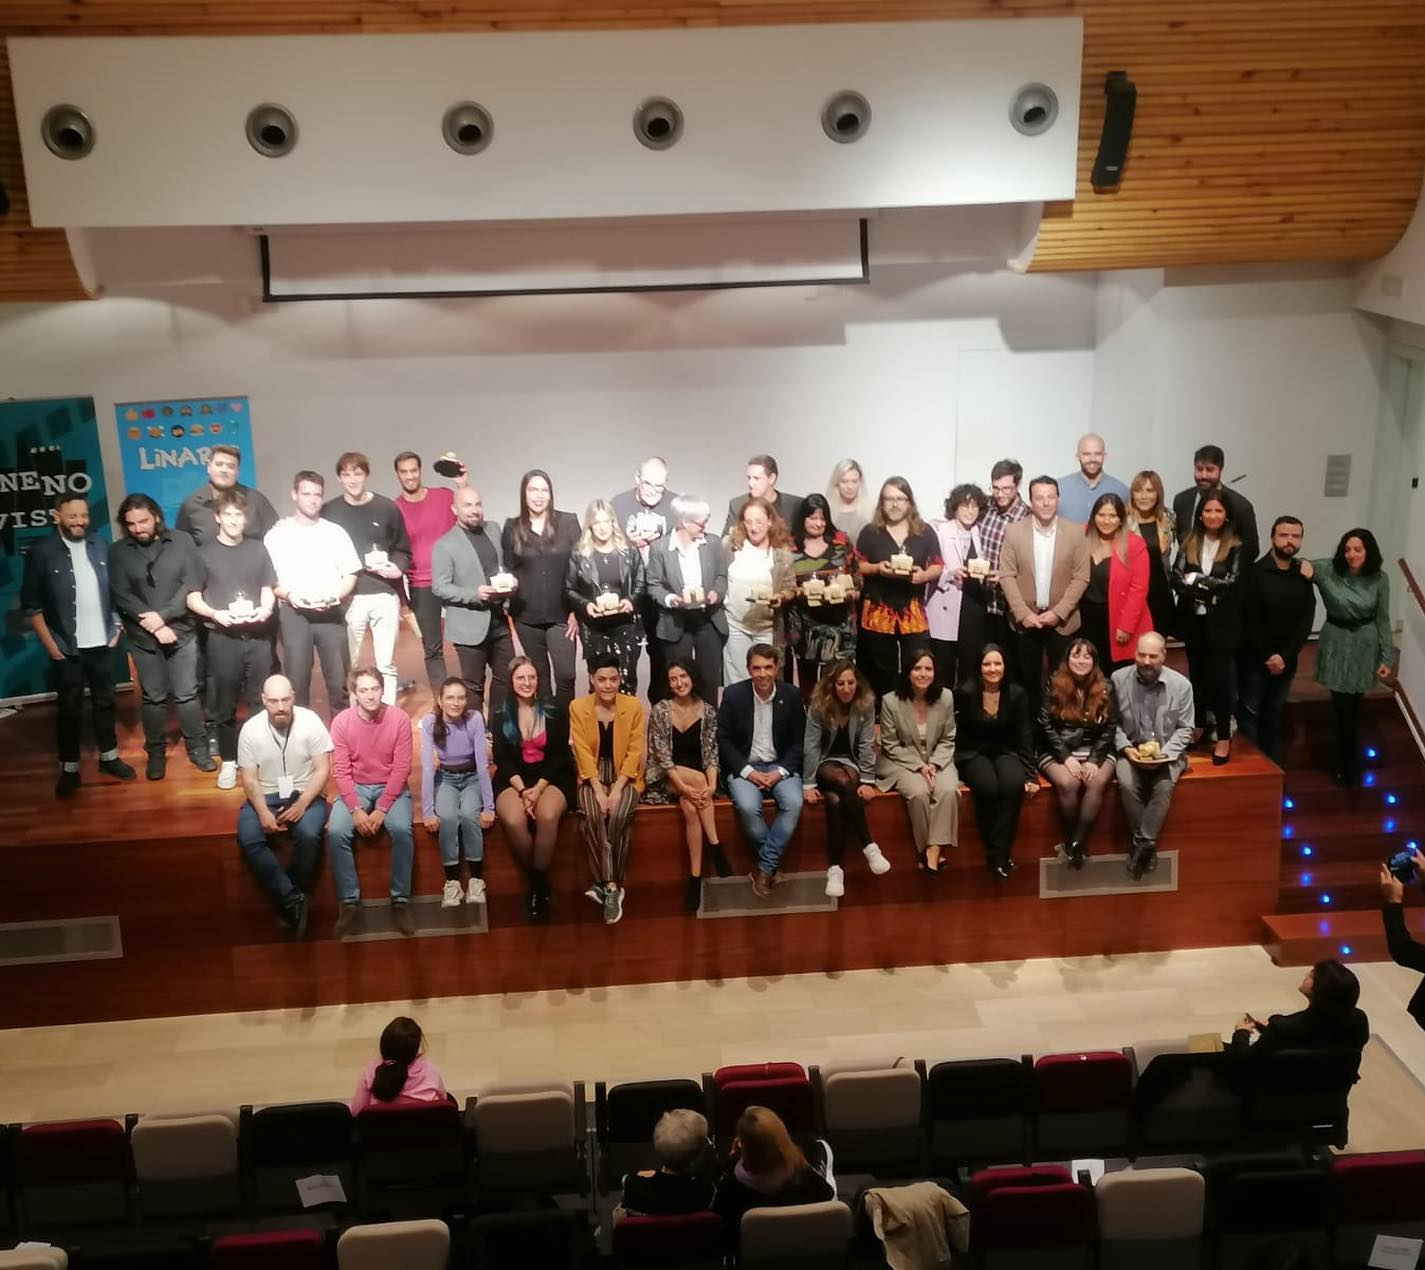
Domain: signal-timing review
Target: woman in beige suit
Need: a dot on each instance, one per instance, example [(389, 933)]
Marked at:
[(917, 758)]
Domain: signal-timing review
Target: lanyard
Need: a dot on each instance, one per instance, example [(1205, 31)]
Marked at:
[(286, 740)]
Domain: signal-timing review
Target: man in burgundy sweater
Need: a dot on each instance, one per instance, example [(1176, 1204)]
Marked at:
[(371, 763), (428, 511)]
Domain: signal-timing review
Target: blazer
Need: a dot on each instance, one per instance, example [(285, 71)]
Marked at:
[(456, 577), (665, 578), (1405, 951), (1128, 598), (1011, 731), (901, 747), (1244, 517), (1311, 1028), (860, 728), (1067, 582), (582, 585), (48, 587), (734, 727), (1219, 590), (630, 727), (1059, 738)]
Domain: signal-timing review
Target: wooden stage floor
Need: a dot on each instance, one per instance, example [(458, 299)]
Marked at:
[(198, 936)]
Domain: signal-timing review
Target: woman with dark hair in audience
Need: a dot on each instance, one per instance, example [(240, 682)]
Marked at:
[(1356, 649), (682, 766), (1150, 517), (1207, 576), (402, 1076), (821, 621), (534, 779), (1331, 1020), (603, 588), (917, 758), (1076, 726), (457, 801), (768, 1170), (839, 765), (996, 740), (536, 546), (1114, 607), (955, 601)]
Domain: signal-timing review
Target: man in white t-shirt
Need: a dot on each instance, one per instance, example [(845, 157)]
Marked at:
[(316, 566), (284, 759)]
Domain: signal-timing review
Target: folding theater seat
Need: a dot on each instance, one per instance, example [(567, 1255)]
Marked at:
[(796, 1237), (71, 1173), (1150, 1217), (780, 1087), (530, 1140), (186, 1166), (978, 1111), (1035, 1218), (1380, 1194), (871, 1115), (415, 1159), (624, 1118), (288, 1141), (1082, 1104), (692, 1241)]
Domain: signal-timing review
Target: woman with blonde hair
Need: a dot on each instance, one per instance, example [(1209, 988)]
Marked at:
[(760, 578), (851, 502), (1152, 519), (603, 587), (1114, 607), (768, 1170)]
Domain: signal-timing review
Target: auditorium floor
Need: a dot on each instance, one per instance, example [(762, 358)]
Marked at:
[(674, 1029)]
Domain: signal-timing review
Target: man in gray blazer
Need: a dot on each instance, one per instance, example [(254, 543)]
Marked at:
[(462, 563), (688, 557)]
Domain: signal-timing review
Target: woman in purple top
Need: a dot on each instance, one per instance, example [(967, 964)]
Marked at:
[(456, 799)]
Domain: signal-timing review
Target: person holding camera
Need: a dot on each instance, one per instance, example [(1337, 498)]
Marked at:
[(1404, 949)]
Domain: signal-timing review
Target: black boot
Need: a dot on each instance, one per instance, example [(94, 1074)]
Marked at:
[(693, 893), (201, 759), (720, 863), (157, 764)]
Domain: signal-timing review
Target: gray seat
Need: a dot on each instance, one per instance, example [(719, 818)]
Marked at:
[(1150, 1217), (797, 1237), (411, 1245), (186, 1165), (872, 1118), (530, 1138)]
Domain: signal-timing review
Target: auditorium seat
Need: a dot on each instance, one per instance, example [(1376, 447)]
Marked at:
[(1301, 1096), (978, 1112), (530, 1139), (1182, 1104), (1034, 1218), (692, 1241), (780, 1087), (796, 1237), (624, 1118), (7, 1198), (1258, 1200), (1380, 1194), (34, 1259), (71, 1173), (1150, 1217), (1082, 1103), (147, 1250), (186, 1166), (288, 1141), (871, 1115), (270, 1250), (414, 1161), (409, 1245), (530, 1239)]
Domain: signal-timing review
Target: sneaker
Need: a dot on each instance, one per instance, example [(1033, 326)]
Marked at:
[(401, 916), (613, 905), (227, 775), (1002, 870), (117, 768), (835, 882), (202, 760), (1077, 853), (875, 859), (67, 783), (348, 921), (452, 895), (156, 766), (476, 892), (596, 893), (761, 884)]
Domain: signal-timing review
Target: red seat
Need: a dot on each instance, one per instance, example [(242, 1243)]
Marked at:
[(681, 1239), (1034, 1208), (780, 1087), (1095, 1080), (1388, 1186), (73, 1172), (270, 1250)]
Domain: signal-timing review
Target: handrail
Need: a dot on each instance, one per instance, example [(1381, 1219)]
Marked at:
[(1412, 583)]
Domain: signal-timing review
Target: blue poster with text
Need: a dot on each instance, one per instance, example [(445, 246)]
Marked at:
[(166, 445)]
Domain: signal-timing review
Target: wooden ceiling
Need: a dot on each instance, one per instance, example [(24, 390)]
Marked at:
[(1267, 130)]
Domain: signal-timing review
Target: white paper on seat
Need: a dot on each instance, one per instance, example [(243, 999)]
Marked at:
[(1393, 1252), (1094, 1168), (320, 1188)]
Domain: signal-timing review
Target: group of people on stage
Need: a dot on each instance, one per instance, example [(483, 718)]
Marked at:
[(1007, 639)]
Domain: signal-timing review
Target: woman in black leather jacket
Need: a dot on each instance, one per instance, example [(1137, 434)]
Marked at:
[(603, 587), (1076, 724), (1207, 578)]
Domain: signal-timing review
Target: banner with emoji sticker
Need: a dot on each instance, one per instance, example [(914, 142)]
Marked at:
[(166, 445)]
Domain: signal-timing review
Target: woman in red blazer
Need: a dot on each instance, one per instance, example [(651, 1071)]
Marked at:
[(1114, 608)]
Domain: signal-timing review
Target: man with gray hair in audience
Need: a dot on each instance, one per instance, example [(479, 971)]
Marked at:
[(682, 1184)]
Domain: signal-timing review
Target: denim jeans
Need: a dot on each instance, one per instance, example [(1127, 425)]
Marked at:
[(341, 836), (283, 886), (769, 841), (170, 672), (458, 805)]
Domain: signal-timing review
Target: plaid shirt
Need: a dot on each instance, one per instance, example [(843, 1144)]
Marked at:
[(992, 526)]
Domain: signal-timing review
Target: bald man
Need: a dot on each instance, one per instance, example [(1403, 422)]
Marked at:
[(463, 563), (1080, 490), (284, 759)]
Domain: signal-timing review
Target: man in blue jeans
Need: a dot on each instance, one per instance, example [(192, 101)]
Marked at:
[(284, 759), (760, 726)]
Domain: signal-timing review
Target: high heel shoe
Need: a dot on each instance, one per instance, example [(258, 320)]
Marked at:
[(1220, 760)]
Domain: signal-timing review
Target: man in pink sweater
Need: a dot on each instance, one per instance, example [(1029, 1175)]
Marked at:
[(371, 763)]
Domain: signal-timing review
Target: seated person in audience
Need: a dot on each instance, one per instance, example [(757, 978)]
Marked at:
[(918, 758), (1404, 950), (760, 730), (1331, 1019), (680, 1139), (284, 759), (371, 762), (1155, 720), (608, 729), (534, 779), (1077, 721), (769, 1170), (402, 1076), (687, 578), (839, 765), (996, 740), (457, 801), (682, 765)]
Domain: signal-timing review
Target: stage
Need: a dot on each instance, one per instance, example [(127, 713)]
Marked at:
[(198, 937)]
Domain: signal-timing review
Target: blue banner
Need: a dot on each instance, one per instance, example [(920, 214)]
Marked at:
[(166, 445), (46, 448)]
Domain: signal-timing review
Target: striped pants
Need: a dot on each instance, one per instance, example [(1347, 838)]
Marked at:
[(607, 837)]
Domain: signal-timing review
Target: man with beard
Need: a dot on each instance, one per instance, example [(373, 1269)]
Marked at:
[(428, 512), (152, 569), (197, 516), (65, 595), (1207, 465), (1080, 490), (1279, 608), (1154, 731)]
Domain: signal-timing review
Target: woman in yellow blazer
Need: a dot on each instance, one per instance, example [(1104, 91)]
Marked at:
[(607, 729)]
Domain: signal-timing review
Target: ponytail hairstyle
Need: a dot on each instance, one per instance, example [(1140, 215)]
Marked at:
[(401, 1044), (439, 729)]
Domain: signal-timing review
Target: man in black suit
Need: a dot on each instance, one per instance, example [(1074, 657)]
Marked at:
[(1404, 950), (687, 580), (1207, 466), (762, 483), (760, 727)]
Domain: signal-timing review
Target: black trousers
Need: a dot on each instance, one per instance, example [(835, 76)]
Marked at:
[(494, 653), (1346, 715), (1213, 672), (881, 657), (1031, 649), (170, 673), (303, 631), (237, 666), (657, 650), (997, 787), (552, 652), (1260, 706), (701, 642), (428, 610), (90, 668)]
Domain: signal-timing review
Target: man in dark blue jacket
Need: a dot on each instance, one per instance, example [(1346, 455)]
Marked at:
[(760, 726), (65, 595)]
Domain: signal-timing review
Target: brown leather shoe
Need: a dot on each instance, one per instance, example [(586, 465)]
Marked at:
[(401, 916), (348, 921), (761, 884)]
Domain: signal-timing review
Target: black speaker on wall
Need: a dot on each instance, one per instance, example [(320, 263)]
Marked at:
[(1121, 101)]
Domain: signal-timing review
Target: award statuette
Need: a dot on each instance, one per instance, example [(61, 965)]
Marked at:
[(449, 465)]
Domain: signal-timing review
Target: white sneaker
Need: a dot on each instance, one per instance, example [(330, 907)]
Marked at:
[(476, 893), (227, 776), (835, 882), (879, 864), (452, 895)]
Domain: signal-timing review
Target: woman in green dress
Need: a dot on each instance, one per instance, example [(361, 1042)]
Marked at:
[(1356, 648)]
